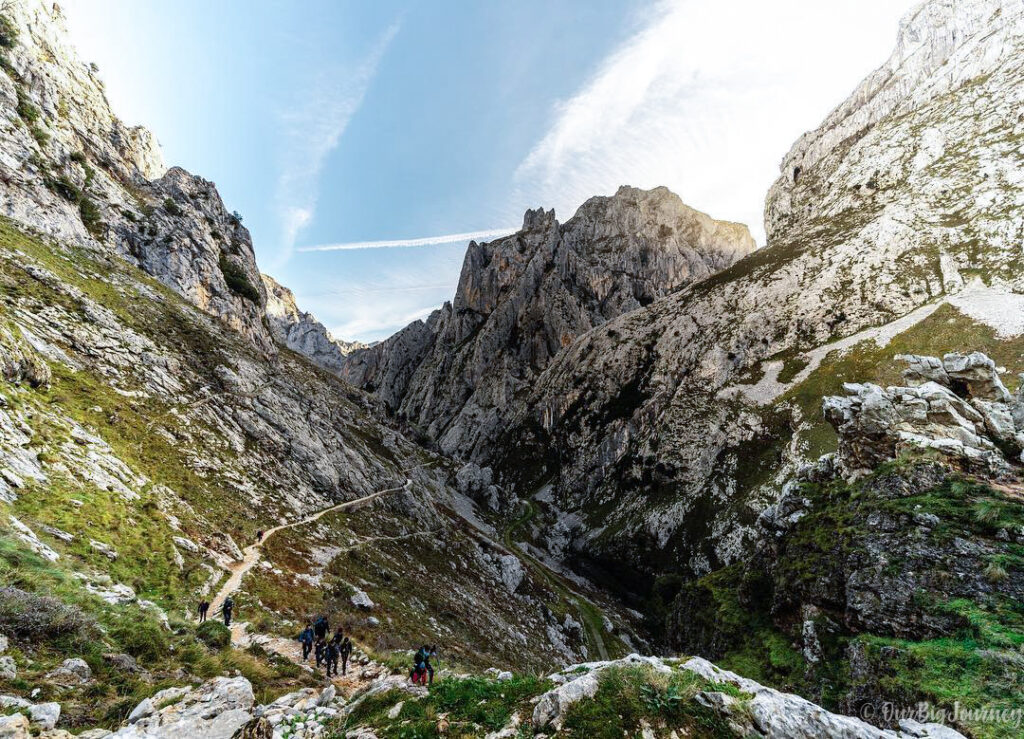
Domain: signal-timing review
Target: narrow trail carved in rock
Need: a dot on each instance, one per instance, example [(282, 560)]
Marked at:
[(251, 554)]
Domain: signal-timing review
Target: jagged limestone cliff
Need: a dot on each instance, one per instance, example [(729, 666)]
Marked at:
[(523, 299), (660, 435)]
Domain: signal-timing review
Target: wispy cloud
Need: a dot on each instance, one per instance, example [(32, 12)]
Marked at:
[(706, 98), (493, 233), (312, 129)]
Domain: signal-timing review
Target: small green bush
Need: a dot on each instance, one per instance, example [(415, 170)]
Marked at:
[(237, 280), (65, 188), (28, 112), (8, 33), (90, 216), (40, 135), (172, 207), (141, 637), (214, 634)]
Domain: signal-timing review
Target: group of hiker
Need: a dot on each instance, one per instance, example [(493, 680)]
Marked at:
[(326, 651), (226, 609)]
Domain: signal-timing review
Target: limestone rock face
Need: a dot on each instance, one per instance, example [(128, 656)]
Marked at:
[(522, 299), (965, 413), (69, 168), (910, 190), (301, 332)]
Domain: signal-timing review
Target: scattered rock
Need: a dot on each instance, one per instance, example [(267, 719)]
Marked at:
[(361, 600), (75, 671), (15, 726), (145, 709), (45, 714)]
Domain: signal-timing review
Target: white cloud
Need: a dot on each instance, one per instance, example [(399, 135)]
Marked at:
[(312, 129), (706, 98)]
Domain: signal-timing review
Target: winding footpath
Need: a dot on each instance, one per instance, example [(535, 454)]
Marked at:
[(251, 553)]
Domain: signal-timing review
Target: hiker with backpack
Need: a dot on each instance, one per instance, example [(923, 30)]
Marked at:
[(321, 627), (320, 651), (346, 652), (306, 639), (420, 666), (333, 651), (204, 607), (226, 609)]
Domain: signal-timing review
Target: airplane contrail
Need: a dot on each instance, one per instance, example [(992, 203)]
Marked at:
[(405, 243)]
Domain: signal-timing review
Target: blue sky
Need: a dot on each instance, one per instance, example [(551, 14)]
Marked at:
[(327, 123)]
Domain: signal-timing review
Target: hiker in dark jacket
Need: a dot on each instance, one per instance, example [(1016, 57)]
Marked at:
[(321, 627), (306, 639), (227, 608), (204, 607), (333, 652), (346, 652), (430, 652), (321, 652)]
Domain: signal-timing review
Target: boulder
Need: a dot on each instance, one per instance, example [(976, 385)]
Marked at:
[(361, 600), (8, 669), (977, 373), (15, 726), (45, 714), (74, 671), (145, 709)]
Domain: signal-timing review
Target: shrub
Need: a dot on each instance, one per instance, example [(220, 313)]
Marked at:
[(28, 112), (214, 634), (237, 280), (65, 188), (8, 33), (141, 637), (90, 216), (172, 207), (38, 618), (40, 135)]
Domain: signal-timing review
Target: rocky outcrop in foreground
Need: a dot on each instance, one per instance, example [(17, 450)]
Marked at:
[(223, 708), (524, 298), (957, 406), (763, 712)]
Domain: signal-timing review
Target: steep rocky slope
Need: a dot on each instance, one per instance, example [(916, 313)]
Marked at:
[(895, 585), (522, 299), (301, 332), (73, 170), (656, 439)]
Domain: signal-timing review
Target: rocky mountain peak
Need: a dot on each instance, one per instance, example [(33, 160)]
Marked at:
[(940, 46), (522, 299)]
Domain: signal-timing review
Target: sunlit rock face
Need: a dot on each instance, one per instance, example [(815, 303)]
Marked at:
[(523, 299)]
